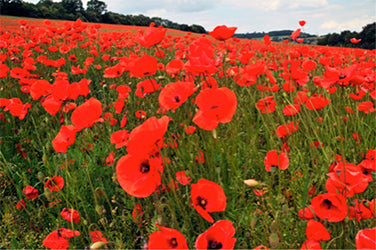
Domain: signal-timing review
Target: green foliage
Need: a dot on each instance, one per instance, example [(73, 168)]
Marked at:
[(368, 36)]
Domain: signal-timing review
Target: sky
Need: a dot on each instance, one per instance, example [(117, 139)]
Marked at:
[(321, 16)]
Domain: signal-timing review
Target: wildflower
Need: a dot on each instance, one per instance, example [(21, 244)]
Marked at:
[(215, 106), (330, 206), (208, 197), (218, 236), (223, 32), (167, 238)]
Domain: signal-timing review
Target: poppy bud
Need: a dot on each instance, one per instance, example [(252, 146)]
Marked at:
[(41, 176), (251, 182), (44, 159), (274, 240), (99, 209), (98, 245), (253, 222), (214, 133), (285, 209), (48, 194)]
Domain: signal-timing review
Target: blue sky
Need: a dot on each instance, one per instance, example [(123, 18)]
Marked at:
[(322, 16)]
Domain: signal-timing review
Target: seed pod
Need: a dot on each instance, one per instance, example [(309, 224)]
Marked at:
[(274, 240)]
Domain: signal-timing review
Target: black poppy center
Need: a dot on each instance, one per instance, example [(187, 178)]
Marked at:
[(173, 242), (145, 167), (327, 204), (214, 107), (274, 166), (177, 98), (212, 244), (202, 202), (342, 77)]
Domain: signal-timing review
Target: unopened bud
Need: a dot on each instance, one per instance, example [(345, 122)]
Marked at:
[(274, 240), (251, 182), (253, 222), (98, 245), (48, 194), (41, 176)]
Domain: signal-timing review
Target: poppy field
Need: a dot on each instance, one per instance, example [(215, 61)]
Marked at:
[(120, 137)]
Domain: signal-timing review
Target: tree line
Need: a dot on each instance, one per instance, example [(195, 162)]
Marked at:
[(96, 11), (276, 33), (368, 36)]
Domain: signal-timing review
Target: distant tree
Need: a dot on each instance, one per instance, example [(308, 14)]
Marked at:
[(368, 36), (45, 3), (96, 6), (72, 6), (197, 28)]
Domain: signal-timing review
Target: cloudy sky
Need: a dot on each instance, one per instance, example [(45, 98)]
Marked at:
[(322, 16)]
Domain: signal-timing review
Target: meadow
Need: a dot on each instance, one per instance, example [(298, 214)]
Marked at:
[(124, 137)]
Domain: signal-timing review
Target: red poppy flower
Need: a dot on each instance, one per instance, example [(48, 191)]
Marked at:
[(266, 105), (330, 206), (174, 67), (21, 205), (287, 129), (201, 57), (137, 213), (272, 159), (55, 183), (147, 138), (291, 109), (15, 107), (58, 238), (366, 239), (261, 247), (144, 66), (299, 40), (139, 175), (70, 215), (97, 236), (366, 107), (361, 211), (316, 231), (306, 213), (218, 236), (317, 102), (152, 35), (309, 65), (120, 138), (295, 34), (354, 40), (65, 138), (310, 244), (87, 114), (40, 88), (51, 105), (30, 192), (215, 106), (190, 130), (208, 197), (301, 97), (146, 87), (110, 158), (223, 32), (302, 23), (369, 162), (175, 94), (123, 91), (182, 178), (167, 238), (347, 179)]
